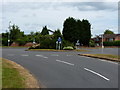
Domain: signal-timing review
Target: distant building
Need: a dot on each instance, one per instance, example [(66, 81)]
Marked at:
[(106, 37)]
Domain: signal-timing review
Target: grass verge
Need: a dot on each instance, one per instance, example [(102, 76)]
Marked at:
[(104, 56), (80, 50), (15, 76)]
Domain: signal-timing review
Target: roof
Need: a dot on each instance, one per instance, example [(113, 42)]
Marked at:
[(111, 35)]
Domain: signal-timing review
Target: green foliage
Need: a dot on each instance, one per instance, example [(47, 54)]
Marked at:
[(15, 33), (108, 32), (4, 41), (74, 30), (57, 33), (112, 43), (21, 41), (44, 31), (68, 48), (66, 43), (92, 43)]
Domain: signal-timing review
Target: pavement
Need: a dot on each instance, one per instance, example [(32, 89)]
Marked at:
[(65, 69)]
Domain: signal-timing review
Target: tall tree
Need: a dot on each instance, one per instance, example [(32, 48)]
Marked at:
[(44, 31), (86, 33), (69, 28), (108, 32), (57, 33), (74, 30), (15, 33)]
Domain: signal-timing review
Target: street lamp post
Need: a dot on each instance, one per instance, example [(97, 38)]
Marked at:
[(9, 34), (102, 41)]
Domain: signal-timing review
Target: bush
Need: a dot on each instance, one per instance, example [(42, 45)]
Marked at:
[(92, 43), (67, 43), (112, 43), (68, 48)]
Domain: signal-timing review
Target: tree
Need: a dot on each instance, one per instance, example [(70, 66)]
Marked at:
[(86, 32), (69, 29), (74, 30), (57, 34), (44, 31), (15, 33), (108, 32)]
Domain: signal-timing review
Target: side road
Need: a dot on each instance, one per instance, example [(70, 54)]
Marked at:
[(20, 77)]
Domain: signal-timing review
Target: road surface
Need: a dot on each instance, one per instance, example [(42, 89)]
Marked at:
[(65, 69)]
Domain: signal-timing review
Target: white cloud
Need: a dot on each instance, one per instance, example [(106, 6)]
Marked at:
[(33, 16)]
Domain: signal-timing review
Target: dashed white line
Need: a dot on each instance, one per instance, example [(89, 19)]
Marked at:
[(97, 74), (45, 57), (68, 55), (54, 55), (24, 55), (39, 55), (65, 62)]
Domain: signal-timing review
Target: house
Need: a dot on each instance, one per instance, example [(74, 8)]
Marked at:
[(111, 37), (106, 37)]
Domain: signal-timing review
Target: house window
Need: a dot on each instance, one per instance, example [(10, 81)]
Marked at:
[(111, 39)]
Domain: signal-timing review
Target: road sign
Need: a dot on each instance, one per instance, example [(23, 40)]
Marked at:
[(59, 39), (77, 44)]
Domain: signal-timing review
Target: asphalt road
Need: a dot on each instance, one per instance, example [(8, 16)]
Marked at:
[(65, 69), (114, 51)]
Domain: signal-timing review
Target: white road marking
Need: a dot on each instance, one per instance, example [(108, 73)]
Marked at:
[(108, 61), (97, 74), (54, 55), (39, 55), (68, 55), (10, 54), (24, 55), (65, 62), (45, 57)]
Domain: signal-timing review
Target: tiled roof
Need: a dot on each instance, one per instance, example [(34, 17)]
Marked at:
[(111, 35)]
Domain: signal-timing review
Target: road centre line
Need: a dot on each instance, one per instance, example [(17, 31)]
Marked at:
[(24, 55), (45, 57), (54, 55), (97, 74), (65, 62), (68, 55), (41, 56)]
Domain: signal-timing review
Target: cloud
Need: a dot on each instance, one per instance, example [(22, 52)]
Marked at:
[(30, 16)]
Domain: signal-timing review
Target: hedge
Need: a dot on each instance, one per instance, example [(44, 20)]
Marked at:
[(111, 43)]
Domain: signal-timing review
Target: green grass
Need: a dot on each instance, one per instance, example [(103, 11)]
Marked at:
[(11, 77), (105, 56), (108, 56), (80, 50)]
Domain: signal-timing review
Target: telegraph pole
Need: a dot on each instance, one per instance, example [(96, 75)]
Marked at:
[(102, 42), (9, 34)]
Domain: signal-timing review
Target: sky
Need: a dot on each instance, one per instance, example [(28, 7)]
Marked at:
[(33, 15)]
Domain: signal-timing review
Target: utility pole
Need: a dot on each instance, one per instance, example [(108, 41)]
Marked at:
[(9, 34), (102, 41)]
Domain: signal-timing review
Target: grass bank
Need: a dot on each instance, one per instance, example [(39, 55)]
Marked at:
[(110, 57), (15, 76), (80, 50)]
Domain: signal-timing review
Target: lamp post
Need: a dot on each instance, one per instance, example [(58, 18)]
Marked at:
[(9, 34), (102, 41)]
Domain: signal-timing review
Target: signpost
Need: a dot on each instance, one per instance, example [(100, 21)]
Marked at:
[(77, 44), (59, 43)]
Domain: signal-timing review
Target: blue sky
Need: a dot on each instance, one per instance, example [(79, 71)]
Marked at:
[(32, 16)]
